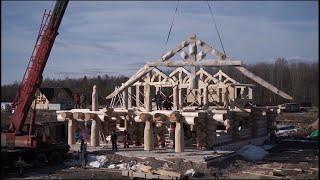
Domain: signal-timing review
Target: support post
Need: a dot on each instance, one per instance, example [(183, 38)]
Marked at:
[(179, 134), (148, 131), (137, 96), (180, 98), (125, 98), (94, 134), (71, 132), (95, 104), (249, 93), (129, 97), (179, 137), (205, 95), (175, 97), (147, 98)]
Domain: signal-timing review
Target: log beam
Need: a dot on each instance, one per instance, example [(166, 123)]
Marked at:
[(263, 83)]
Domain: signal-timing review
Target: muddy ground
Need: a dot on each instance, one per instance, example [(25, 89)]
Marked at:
[(299, 157)]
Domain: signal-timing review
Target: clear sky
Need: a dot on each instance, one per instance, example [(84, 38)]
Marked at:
[(116, 38)]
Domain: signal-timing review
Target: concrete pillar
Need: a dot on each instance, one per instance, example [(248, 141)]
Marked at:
[(175, 98), (129, 97), (95, 104), (157, 89), (147, 98), (148, 136), (179, 137), (125, 98), (94, 134), (137, 95), (71, 132)]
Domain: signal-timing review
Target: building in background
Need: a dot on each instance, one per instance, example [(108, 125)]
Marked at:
[(54, 98)]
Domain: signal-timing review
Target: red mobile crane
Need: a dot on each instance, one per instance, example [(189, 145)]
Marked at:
[(34, 142)]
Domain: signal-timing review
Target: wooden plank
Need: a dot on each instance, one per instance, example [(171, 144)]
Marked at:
[(167, 173), (263, 83), (145, 69), (145, 168), (133, 174), (286, 172), (261, 176)]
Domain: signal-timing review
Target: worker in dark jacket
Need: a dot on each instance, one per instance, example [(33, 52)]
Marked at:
[(158, 100), (167, 104), (114, 140), (83, 153), (76, 101), (125, 139), (83, 101)]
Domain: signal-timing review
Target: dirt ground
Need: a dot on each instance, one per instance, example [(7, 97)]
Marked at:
[(290, 159), (300, 157)]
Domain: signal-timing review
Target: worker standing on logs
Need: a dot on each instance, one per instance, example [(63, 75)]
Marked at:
[(167, 104), (114, 141), (158, 100), (83, 101), (76, 101)]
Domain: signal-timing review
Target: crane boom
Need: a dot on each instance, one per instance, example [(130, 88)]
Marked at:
[(33, 75)]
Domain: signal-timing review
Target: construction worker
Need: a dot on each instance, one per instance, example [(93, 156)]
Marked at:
[(77, 101), (158, 100), (167, 104), (125, 139), (114, 141), (83, 101), (83, 153), (226, 99)]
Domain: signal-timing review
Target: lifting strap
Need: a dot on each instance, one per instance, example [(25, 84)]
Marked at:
[(215, 25), (169, 33)]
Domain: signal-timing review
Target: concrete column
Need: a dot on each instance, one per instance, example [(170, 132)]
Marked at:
[(137, 95), (148, 136), (157, 89), (94, 134), (147, 98), (95, 104), (125, 98), (179, 137), (71, 132), (175, 98), (180, 98), (129, 97), (205, 95)]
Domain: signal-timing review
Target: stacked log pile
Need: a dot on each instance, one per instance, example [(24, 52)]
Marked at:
[(211, 130), (206, 128), (200, 124), (271, 118), (160, 120), (259, 122)]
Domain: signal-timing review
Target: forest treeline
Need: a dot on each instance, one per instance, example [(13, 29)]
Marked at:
[(298, 79)]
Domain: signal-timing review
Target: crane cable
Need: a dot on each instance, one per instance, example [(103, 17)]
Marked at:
[(215, 25), (172, 22)]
